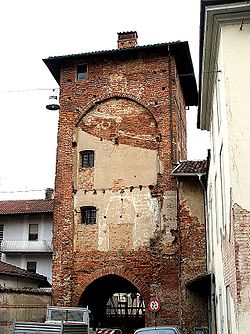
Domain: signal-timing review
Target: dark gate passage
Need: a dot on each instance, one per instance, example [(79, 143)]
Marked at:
[(114, 302)]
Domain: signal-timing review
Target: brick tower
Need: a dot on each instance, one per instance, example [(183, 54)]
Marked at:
[(122, 129)]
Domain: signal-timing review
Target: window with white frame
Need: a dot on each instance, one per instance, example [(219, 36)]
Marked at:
[(222, 185), (33, 232), (216, 207), (221, 312), (1, 237)]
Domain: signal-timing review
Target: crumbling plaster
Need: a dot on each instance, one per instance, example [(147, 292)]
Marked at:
[(118, 162), (238, 101), (129, 217)]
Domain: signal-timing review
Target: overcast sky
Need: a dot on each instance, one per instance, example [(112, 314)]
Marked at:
[(35, 29)]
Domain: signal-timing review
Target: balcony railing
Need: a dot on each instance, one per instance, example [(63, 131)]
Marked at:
[(21, 246)]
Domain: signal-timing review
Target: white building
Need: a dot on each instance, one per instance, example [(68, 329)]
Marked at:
[(26, 233), (224, 110)]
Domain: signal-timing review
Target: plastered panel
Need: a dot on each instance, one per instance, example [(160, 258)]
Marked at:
[(132, 166), (125, 220)]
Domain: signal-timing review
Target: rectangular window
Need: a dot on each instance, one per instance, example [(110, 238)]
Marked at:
[(87, 158), (216, 205), (221, 312), (33, 232), (82, 72), (228, 301), (218, 103), (222, 185), (1, 232), (1, 237), (88, 215), (31, 266)]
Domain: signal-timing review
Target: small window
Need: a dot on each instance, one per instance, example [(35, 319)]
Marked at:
[(1, 232), (31, 266), (88, 215), (87, 159), (33, 232), (1, 237), (82, 72)]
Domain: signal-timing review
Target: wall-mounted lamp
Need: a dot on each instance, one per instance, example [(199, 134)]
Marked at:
[(53, 103)]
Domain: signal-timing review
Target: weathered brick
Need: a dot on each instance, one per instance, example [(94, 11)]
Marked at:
[(122, 112)]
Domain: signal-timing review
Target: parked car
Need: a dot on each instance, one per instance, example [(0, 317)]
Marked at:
[(160, 330)]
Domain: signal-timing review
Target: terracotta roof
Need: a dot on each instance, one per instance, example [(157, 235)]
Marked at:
[(9, 269), (190, 167), (14, 207)]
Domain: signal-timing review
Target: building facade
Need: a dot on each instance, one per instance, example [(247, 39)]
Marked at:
[(224, 111), (26, 234), (17, 278), (24, 296), (122, 130)]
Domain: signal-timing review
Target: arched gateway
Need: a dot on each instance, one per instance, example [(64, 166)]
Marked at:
[(114, 302)]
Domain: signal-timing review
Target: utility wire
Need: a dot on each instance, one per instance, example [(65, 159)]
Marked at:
[(20, 191), (28, 90)]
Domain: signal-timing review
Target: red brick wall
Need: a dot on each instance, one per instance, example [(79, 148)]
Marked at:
[(236, 256), (124, 120), (192, 237)]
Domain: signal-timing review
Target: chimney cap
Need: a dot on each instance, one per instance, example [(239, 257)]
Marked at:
[(125, 33), (127, 39)]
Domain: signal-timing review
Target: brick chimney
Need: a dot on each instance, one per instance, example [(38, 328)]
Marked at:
[(127, 39)]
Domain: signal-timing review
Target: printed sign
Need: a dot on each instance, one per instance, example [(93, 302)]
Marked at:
[(154, 305)]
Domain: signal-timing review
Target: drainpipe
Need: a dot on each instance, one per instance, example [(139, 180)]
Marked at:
[(170, 105)]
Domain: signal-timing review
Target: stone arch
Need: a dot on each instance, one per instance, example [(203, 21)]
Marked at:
[(104, 97), (121, 120), (131, 277), (113, 300)]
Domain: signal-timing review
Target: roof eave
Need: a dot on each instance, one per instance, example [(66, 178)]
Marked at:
[(187, 174), (41, 280), (24, 213), (180, 50), (213, 13)]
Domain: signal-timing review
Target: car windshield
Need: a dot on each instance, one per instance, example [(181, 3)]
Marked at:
[(159, 331)]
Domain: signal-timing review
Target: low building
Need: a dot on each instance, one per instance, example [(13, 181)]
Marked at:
[(194, 278), (24, 296), (17, 278), (26, 234)]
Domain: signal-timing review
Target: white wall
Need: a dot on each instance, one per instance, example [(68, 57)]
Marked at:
[(228, 174), (237, 79), (16, 282), (17, 228)]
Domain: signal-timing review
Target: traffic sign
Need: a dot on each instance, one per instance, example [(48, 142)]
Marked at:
[(154, 305)]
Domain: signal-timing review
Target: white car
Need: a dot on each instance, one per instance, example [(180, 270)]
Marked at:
[(160, 330)]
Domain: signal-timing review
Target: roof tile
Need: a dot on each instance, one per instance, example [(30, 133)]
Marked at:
[(9, 269), (190, 167), (26, 206)]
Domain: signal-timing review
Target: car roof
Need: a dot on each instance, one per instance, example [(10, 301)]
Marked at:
[(157, 328)]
